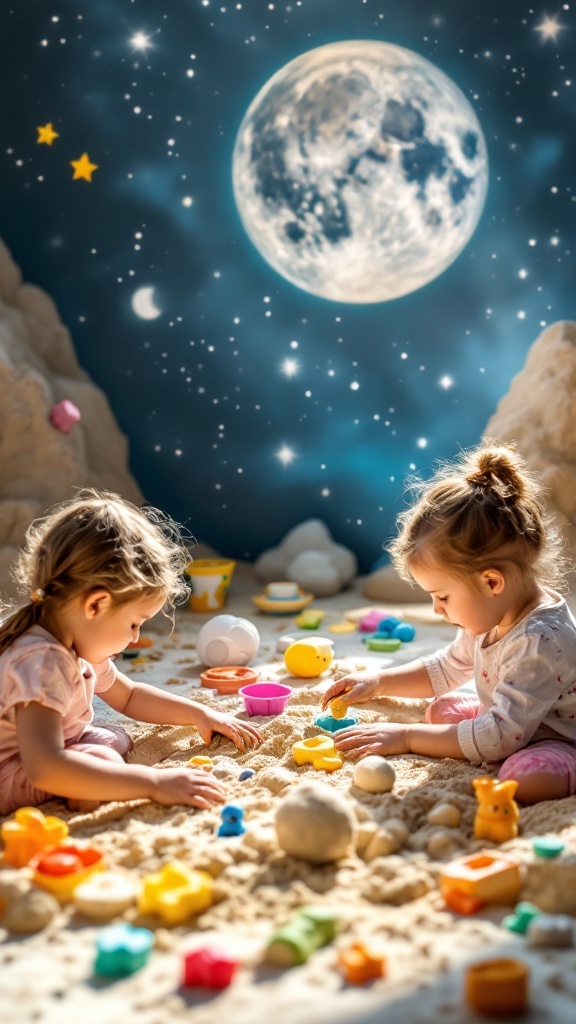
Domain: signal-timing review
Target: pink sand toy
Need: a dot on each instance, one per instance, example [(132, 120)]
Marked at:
[(64, 415), (265, 698)]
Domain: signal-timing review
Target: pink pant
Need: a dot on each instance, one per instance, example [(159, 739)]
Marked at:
[(551, 756), (16, 790)]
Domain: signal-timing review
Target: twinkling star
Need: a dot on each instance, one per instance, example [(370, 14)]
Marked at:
[(290, 367), (549, 28), (140, 41), (83, 168), (46, 133), (285, 455)]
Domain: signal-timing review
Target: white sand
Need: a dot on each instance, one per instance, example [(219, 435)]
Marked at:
[(49, 978)]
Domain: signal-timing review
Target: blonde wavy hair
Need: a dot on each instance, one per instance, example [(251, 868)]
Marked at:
[(484, 510), (96, 540)]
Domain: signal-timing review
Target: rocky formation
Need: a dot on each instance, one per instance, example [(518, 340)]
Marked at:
[(40, 464), (538, 413)]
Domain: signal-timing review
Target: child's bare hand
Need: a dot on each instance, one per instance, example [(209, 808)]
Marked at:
[(361, 740), (355, 689), (243, 734), (195, 788)]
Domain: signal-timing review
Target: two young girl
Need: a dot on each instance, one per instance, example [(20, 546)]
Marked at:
[(479, 542), (92, 572)]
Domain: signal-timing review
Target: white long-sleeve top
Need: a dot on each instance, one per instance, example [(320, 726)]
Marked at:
[(526, 682)]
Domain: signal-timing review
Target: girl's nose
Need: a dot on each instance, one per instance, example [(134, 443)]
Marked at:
[(438, 606)]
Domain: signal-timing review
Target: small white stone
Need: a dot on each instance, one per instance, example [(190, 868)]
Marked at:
[(31, 912), (444, 814), (551, 930), (374, 774), (314, 822)]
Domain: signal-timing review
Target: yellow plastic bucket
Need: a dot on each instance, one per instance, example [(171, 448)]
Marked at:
[(210, 581)]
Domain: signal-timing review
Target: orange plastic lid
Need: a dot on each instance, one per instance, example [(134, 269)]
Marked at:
[(229, 678)]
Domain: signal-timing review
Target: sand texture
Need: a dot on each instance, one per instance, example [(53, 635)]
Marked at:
[(384, 890)]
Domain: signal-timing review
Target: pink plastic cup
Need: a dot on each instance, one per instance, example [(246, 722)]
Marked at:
[(265, 698)]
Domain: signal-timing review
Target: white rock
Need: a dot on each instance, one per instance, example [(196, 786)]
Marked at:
[(374, 774), (444, 814), (538, 413), (309, 557), (314, 822)]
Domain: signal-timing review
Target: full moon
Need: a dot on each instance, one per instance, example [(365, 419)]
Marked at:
[(143, 303), (360, 171)]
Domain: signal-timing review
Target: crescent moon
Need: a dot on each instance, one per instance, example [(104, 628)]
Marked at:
[(143, 303)]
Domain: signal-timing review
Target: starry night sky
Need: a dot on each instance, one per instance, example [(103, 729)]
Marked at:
[(250, 404)]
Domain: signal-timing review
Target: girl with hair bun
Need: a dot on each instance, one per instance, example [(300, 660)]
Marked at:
[(91, 573), (479, 541)]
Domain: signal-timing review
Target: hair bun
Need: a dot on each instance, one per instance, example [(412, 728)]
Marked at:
[(498, 467)]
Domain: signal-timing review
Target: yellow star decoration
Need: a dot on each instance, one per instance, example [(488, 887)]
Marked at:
[(46, 134), (83, 168)]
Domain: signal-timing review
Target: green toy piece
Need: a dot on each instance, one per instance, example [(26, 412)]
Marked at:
[(523, 914), (383, 643), (310, 618), (307, 930), (547, 846)]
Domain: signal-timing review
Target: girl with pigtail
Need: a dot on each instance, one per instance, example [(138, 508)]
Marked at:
[(91, 573), (479, 541)]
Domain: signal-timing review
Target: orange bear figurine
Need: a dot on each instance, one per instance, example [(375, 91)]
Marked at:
[(497, 815)]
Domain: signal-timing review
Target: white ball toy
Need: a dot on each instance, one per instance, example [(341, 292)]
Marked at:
[(227, 640), (374, 774)]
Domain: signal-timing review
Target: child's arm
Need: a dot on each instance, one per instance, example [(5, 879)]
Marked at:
[(84, 776), (410, 680), (147, 703), (395, 738)]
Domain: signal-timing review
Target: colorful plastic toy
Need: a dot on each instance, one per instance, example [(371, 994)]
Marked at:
[(342, 627), (550, 930), (497, 815), (547, 846), (319, 751), (404, 631), (519, 921), (332, 724), (469, 883), (210, 582), (377, 642), (267, 602), (209, 967), (232, 820), (310, 618), (369, 623), (307, 930), (59, 869), (309, 658), (388, 624), (361, 963), (104, 895), (28, 832), (227, 640), (200, 761), (175, 893), (142, 641), (338, 707), (121, 950), (247, 773), (64, 415), (265, 698), (229, 678), (497, 987)]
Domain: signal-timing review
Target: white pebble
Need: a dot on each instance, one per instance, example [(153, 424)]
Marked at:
[(374, 774), (314, 822), (551, 930), (444, 814)]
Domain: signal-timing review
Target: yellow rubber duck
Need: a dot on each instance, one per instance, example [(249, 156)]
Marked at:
[(309, 658)]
